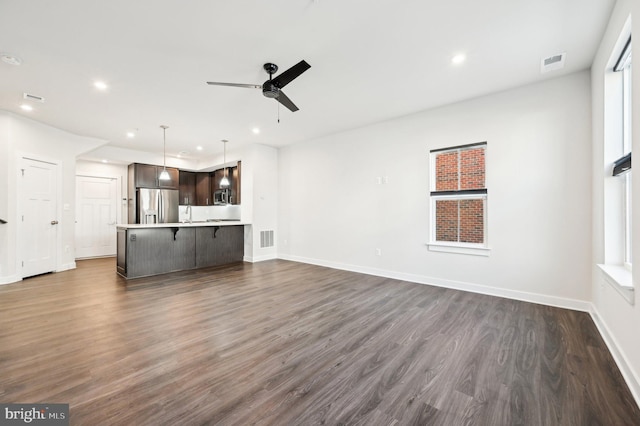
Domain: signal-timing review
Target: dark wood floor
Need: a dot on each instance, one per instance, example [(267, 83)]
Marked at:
[(284, 343)]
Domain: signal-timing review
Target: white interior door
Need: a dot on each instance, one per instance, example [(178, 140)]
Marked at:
[(97, 202), (39, 217)]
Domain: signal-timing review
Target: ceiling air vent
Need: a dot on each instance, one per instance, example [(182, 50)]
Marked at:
[(551, 63), (34, 98)]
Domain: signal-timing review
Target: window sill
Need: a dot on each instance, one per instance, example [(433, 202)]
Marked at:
[(460, 249), (621, 279)]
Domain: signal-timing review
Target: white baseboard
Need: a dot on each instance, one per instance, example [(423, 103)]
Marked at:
[(542, 299), (15, 278), (253, 259), (66, 267), (633, 381), (10, 279)]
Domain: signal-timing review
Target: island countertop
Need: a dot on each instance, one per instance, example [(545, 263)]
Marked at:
[(221, 222)]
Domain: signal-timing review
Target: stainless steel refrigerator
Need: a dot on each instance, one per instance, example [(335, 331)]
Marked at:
[(157, 205)]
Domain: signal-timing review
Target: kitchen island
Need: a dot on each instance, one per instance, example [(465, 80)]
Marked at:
[(152, 249)]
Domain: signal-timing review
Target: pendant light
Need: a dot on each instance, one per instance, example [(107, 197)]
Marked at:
[(224, 182), (164, 175)]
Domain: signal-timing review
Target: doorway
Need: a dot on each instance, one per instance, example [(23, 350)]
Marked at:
[(39, 216), (96, 216)]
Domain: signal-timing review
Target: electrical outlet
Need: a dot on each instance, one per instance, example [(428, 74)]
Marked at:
[(385, 180), (378, 252)]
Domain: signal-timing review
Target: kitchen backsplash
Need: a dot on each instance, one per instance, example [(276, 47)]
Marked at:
[(201, 213)]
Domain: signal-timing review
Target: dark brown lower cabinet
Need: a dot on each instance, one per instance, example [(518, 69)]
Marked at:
[(143, 252), (219, 245)]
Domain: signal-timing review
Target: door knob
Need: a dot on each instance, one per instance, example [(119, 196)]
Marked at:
[(54, 222)]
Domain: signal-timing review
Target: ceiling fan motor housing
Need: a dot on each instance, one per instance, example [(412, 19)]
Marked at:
[(270, 90)]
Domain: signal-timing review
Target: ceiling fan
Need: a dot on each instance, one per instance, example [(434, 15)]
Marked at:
[(272, 87)]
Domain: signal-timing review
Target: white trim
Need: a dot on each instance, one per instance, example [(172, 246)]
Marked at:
[(632, 380), (66, 267), (254, 259), (459, 248), (621, 279), (10, 279), (543, 299)]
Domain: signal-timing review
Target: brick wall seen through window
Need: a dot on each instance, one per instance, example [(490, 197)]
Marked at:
[(459, 195)]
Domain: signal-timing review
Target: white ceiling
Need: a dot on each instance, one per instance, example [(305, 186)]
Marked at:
[(370, 61)]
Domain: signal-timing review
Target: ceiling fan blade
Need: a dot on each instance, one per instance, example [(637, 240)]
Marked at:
[(287, 76), (248, 86), (284, 100)]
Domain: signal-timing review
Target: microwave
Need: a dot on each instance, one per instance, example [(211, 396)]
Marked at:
[(221, 196)]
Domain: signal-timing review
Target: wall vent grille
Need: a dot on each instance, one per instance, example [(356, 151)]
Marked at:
[(266, 239), (554, 62), (34, 98)]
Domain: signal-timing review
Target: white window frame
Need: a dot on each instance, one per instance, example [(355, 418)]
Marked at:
[(616, 268), (626, 148), (478, 249)]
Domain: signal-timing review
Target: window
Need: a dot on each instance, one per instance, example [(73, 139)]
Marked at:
[(622, 166), (617, 161), (459, 199)]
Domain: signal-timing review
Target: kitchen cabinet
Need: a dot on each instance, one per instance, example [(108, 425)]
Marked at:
[(152, 249), (146, 176), (219, 245), (204, 196), (174, 178), (234, 175), (187, 188), (217, 177), (235, 184), (144, 252)]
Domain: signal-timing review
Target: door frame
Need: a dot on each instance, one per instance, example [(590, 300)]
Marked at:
[(20, 157)]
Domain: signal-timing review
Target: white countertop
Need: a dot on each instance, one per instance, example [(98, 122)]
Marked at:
[(181, 225)]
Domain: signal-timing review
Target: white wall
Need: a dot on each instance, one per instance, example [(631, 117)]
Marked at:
[(332, 212), (22, 136), (618, 320)]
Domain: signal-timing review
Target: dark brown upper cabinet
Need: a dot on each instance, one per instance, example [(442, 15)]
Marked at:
[(187, 188), (204, 196), (146, 176)]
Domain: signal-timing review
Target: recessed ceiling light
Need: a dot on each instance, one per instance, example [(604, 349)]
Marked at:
[(105, 161), (131, 135), (100, 85), (458, 59), (26, 107), (10, 59), (256, 130), (199, 148)]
